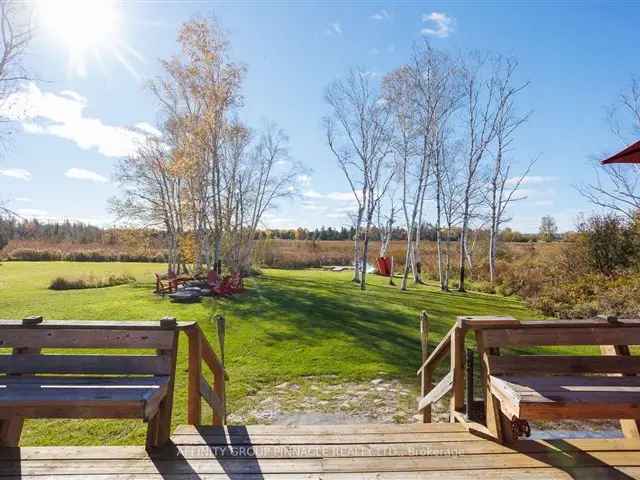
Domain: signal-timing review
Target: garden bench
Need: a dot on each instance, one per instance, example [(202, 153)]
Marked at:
[(37, 384), (554, 387)]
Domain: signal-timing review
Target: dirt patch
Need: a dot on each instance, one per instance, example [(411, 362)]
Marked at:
[(323, 400), (320, 400)]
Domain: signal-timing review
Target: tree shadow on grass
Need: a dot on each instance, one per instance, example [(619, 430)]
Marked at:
[(310, 312)]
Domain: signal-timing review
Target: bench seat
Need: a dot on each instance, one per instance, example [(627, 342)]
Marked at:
[(81, 397), (559, 397)]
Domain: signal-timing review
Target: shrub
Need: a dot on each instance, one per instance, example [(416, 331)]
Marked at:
[(48, 255), (484, 287), (607, 244), (90, 281), (34, 255)]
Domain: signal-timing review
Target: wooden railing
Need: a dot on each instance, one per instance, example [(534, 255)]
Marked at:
[(198, 387), (428, 393), (452, 346)]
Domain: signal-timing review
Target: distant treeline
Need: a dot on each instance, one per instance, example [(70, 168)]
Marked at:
[(82, 233), (428, 232)]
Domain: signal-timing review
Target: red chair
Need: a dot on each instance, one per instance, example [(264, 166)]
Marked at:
[(213, 280), (222, 288), (236, 284)]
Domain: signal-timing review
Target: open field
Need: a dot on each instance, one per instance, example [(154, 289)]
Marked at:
[(270, 253), (289, 325)]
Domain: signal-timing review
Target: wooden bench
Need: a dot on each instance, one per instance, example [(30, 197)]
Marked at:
[(87, 386), (555, 387)]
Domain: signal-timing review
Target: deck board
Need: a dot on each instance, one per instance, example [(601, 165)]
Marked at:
[(393, 452)]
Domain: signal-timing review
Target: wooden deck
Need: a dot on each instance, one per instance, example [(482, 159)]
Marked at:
[(401, 452)]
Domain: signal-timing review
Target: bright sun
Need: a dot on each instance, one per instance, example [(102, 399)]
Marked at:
[(85, 27)]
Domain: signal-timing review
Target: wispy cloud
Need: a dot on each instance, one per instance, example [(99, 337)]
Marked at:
[(340, 196), (440, 24), (82, 174), (334, 29), (374, 51), (63, 115), (23, 199), (19, 173), (380, 15)]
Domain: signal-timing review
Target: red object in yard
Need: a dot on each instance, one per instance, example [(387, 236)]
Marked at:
[(213, 280), (236, 284), (631, 154), (223, 288), (229, 285), (383, 265)]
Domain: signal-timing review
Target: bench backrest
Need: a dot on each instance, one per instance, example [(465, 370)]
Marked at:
[(613, 336), (27, 339)]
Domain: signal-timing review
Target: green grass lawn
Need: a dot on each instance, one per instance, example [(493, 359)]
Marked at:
[(289, 324)]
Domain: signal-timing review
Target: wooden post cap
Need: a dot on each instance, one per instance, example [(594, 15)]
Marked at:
[(168, 322), (32, 320)]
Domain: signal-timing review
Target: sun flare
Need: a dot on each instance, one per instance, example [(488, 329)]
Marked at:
[(86, 29)]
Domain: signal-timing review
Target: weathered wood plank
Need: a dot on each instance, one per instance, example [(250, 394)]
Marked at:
[(86, 338), (96, 324), (465, 447), (630, 427), (194, 404), (445, 462), (520, 337), (365, 428), (443, 387), (556, 364), (211, 398), (457, 369), (327, 439), (590, 473), (438, 353), (52, 380), (569, 383), (86, 364), (568, 397)]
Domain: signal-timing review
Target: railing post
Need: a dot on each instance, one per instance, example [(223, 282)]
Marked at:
[(218, 375), (194, 407), (457, 367), (630, 427), (425, 378)]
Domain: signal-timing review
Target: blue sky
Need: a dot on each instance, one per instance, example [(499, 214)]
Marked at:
[(89, 107)]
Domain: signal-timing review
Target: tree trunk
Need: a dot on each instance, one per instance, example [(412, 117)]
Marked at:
[(407, 262), (463, 254), (365, 251), (447, 271), (492, 251), (356, 256), (439, 240)]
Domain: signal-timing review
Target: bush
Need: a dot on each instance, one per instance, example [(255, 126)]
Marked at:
[(607, 244), (90, 281), (47, 255), (484, 287), (33, 255)]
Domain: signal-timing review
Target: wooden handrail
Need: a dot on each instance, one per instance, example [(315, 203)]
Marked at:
[(454, 339), (436, 393), (438, 353), (198, 387)]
